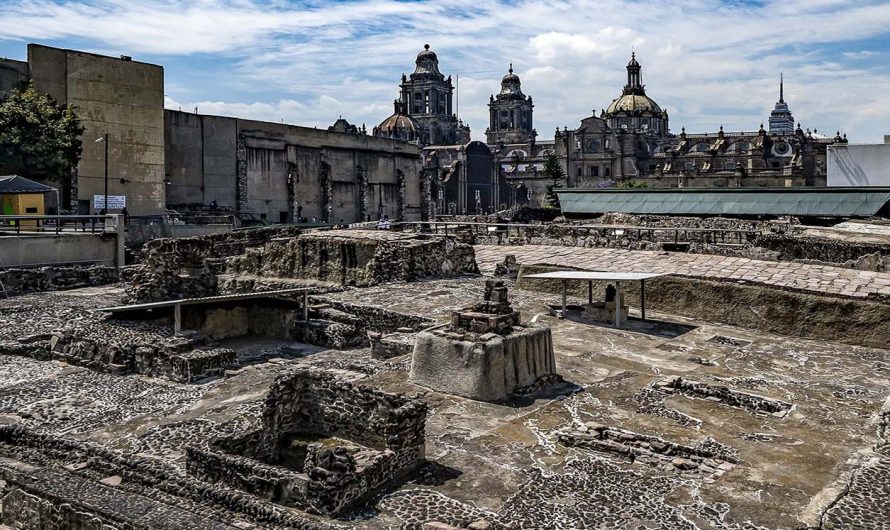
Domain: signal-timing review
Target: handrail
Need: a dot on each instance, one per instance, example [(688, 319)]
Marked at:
[(680, 235), (57, 223)]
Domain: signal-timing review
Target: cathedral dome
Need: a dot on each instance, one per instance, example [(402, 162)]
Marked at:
[(399, 126), (398, 123), (426, 55), (427, 64), (633, 103), (511, 85)]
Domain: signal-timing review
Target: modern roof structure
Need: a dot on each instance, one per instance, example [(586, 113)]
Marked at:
[(733, 202), (17, 184)]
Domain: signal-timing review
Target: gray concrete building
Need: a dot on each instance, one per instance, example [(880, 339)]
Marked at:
[(282, 173), (115, 96)]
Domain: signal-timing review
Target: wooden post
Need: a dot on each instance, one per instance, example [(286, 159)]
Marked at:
[(564, 284), (643, 299), (177, 319), (305, 306)]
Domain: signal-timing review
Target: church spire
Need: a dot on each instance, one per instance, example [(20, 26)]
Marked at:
[(781, 87)]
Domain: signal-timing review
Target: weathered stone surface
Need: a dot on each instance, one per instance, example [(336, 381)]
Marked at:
[(484, 353)]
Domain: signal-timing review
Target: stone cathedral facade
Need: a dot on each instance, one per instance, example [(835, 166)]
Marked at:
[(629, 140)]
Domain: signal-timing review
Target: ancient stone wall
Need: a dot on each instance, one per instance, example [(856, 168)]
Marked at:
[(175, 268), (852, 254), (357, 257), (21, 281), (312, 401)]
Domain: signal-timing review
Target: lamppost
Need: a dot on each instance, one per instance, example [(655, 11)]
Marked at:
[(104, 139)]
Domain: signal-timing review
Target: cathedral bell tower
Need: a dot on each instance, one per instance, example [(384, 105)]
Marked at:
[(510, 113)]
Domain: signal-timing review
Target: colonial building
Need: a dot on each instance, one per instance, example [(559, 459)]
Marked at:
[(284, 173), (631, 140), (423, 112)]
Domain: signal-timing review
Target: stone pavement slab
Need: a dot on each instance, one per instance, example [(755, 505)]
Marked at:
[(819, 279)]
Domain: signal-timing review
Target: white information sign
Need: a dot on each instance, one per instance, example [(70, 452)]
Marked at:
[(115, 202)]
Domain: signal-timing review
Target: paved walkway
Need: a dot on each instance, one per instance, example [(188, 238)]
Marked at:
[(787, 275)]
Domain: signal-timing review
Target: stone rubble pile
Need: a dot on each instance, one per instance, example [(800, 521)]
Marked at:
[(647, 449), (721, 394)]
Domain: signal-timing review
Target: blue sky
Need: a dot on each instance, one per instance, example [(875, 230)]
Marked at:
[(709, 62)]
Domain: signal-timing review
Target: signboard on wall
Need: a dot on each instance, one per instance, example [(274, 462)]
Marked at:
[(115, 202)]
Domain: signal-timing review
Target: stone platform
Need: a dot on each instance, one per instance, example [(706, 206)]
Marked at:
[(816, 279)]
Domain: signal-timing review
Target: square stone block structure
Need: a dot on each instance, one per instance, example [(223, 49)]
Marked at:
[(326, 444), (484, 353)]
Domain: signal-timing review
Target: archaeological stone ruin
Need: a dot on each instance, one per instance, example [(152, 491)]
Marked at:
[(485, 352), (413, 379)]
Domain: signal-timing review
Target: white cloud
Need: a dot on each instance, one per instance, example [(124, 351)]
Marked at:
[(709, 62)]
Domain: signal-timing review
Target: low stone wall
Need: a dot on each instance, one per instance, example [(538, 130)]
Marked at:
[(646, 449), (125, 348), (47, 499), (812, 316), (153, 481), (854, 255), (21, 281)]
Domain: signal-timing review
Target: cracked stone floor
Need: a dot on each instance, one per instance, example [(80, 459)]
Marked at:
[(824, 464)]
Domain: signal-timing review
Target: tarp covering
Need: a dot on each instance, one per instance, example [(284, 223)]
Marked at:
[(798, 202)]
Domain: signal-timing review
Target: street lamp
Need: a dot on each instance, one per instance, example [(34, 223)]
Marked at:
[(104, 139)]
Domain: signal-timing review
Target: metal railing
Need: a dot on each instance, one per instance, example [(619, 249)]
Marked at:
[(183, 218), (676, 235), (30, 224)]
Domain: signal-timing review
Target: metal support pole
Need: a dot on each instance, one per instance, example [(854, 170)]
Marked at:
[(106, 173), (643, 299), (590, 292), (564, 287), (177, 319), (305, 306), (617, 304)]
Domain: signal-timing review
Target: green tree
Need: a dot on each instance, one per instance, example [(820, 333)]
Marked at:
[(553, 170), (631, 184), (39, 138)]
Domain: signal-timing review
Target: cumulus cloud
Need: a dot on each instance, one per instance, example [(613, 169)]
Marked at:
[(710, 62)]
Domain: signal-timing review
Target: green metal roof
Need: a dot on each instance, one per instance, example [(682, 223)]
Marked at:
[(799, 202)]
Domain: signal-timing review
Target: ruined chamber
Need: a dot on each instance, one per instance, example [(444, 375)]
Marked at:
[(485, 353), (326, 444)]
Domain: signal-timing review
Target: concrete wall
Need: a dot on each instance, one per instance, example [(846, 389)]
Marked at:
[(31, 250), (13, 74), (284, 168), (122, 98), (859, 165)]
